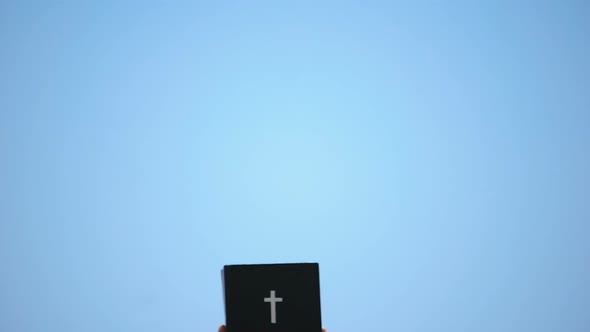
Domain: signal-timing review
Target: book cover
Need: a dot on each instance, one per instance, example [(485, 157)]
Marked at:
[(272, 297)]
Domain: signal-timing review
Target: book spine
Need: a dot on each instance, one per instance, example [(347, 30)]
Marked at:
[(225, 282)]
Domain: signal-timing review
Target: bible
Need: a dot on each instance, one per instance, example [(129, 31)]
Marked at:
[(272, 297)]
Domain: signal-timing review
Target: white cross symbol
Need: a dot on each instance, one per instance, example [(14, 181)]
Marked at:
[(273, 306)]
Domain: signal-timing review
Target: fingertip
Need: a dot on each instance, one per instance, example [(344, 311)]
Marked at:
[(222, 328)]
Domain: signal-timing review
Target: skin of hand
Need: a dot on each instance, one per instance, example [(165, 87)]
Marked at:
[(222, 329)]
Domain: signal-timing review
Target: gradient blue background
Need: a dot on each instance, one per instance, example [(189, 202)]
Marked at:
[(432, 157)]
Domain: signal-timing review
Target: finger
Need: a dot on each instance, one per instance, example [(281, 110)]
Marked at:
[(221, 328), (324, 330)]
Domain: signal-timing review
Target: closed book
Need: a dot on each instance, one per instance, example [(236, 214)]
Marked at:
[(272, 297)]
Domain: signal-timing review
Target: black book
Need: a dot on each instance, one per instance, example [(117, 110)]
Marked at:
[(272, 298)]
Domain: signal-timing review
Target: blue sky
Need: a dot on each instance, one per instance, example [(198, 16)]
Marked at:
[(432, 157)]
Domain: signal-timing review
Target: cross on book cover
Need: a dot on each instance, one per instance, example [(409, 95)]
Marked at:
[(272, 297)]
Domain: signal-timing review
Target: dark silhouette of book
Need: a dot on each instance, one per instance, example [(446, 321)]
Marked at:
[(272, 298)]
